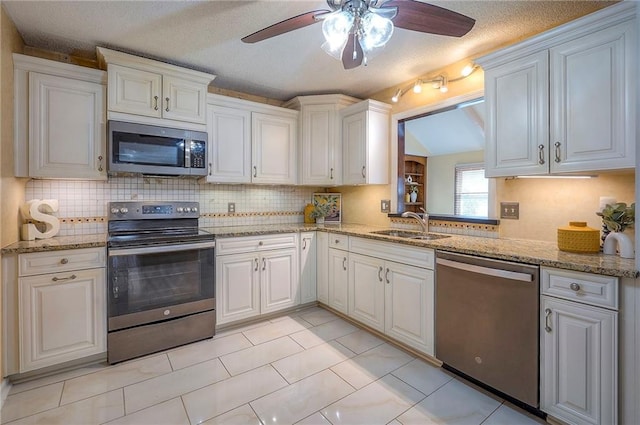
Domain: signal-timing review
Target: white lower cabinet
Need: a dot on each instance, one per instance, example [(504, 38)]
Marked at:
[(253, 277), (367, 287), (338, 280), (308, 267), (62, 314), (578, 362)]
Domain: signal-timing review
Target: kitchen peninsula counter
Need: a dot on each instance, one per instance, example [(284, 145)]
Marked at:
[(518, 250)]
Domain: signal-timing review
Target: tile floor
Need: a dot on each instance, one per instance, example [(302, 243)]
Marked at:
[(308, 367)]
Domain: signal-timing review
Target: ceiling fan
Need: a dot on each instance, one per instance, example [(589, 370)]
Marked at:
[(355, 30)]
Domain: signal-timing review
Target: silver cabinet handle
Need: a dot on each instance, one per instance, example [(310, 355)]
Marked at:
[(64, 261), (331, 176), (337, 241), (380, 274), (541, 154), (344, 263), (264, 264), (155, 105), (260, 243), (547, 319), (574, 286), (60, 279), (363, 175), (100, 163), (115, 290), (209, 168), (255, 171), (557, 145), (304, 244), (256, 268), (167, 108), (386, 276)]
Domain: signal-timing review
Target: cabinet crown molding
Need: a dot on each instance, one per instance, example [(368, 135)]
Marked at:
[(60, 69), (107, 56), (340, 100)]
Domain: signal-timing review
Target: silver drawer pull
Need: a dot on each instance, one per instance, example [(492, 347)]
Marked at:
[(64, 261), (574, 286), (60, 279), (547, 317), (260, 243), (337, 241)]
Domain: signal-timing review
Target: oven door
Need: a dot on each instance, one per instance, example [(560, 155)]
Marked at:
[(154, 283)]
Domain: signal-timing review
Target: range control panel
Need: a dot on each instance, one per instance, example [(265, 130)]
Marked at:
[(153, 210)]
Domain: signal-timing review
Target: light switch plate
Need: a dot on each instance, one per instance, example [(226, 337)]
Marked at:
[(231, 207), (510, 210), (385, 206)]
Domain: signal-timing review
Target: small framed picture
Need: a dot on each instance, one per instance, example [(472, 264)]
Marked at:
[(334, 203)]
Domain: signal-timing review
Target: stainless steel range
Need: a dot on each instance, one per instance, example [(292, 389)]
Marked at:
[(160, 278)]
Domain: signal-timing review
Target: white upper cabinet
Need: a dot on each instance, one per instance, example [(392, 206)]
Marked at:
[(320, 129), (229, 131), (365, 139), (147, 88), (273, 149), (251, 142), (564, 101), (59, 120)]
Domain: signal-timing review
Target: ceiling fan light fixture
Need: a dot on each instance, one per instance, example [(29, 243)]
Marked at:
[(336, 27), (376, 30)]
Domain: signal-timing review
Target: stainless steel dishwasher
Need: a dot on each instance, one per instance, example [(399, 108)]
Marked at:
[(487, 322)]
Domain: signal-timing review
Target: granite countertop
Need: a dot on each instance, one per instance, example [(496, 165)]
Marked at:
[(524, 251)]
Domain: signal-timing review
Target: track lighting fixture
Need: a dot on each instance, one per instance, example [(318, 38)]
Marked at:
[(440, 82)]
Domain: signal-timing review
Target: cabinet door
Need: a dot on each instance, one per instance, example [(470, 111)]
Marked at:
[(229, 131), (237, 287), (578, 362), (593, 113), (517, 121), (409, 305), (308, 269), (366, 290), (280, 280), (322, 266), (353, 145), (183, 100), (66, 128), (134, 91), (273, 149), (320, 148), (338, 280), (62, 317)]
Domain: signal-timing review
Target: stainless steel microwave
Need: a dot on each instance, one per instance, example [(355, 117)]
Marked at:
[(149, 149)]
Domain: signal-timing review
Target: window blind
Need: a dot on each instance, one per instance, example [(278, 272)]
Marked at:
[(471, 194)]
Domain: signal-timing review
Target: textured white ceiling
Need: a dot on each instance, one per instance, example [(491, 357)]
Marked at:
[(205, 35)]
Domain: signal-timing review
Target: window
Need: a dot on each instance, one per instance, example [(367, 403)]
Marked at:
[(472, 191)]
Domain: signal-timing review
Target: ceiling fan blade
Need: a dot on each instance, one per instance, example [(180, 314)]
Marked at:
[(423, 17), (352, 53), (285, 26)]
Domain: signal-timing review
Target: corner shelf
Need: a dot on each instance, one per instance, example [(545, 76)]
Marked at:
[(415, 167)]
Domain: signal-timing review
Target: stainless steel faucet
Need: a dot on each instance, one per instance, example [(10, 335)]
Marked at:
[(424, 220)]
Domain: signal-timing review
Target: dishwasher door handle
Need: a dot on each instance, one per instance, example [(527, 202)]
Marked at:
[(489, 271)]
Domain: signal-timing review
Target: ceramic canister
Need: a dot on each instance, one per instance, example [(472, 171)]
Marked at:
[(578, 237)]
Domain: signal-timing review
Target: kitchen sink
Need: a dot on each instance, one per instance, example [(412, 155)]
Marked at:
[(409, 235)]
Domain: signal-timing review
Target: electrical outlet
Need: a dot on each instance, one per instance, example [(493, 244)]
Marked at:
[(231, 207), (510, 210), (385, 206)]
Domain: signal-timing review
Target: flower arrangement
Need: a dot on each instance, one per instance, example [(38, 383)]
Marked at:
[(413, 189), (320, 210), (617, 217)]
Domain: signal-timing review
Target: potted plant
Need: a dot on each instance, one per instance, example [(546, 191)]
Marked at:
[(413, 190), (320, 211), (615, 218)]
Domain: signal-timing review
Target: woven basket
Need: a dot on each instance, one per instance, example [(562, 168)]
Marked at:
[(578, 237)]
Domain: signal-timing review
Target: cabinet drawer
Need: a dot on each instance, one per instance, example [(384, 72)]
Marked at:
[(255, 243), (60, 261), (338, 241), (583, 287), (400, 253)]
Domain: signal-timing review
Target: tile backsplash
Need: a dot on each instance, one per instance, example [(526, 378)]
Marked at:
[(83, 204)]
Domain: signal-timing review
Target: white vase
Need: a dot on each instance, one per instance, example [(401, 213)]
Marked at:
[(319, 220), (414, 196), (620, 241)]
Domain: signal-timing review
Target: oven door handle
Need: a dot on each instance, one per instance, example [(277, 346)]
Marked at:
[(158, 249)]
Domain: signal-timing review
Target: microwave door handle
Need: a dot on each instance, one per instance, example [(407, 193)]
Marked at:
[(187, 153)]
